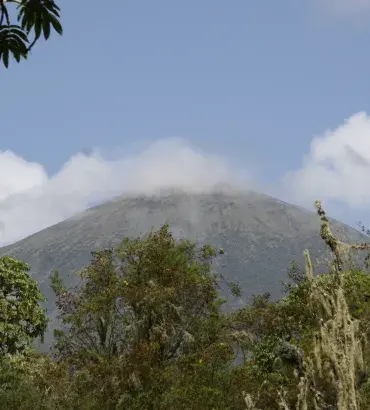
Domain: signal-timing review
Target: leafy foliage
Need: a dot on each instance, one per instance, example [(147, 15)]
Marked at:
[(148, 291), (34, 17), (146, 314), (22, 319)]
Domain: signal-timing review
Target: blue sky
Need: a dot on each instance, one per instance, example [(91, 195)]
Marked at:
[(252, 81)]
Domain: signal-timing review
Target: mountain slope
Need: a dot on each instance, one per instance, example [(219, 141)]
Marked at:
[(260, 236)]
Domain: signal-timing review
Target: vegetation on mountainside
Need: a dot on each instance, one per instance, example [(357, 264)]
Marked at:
[(145, 329), (34, 18)]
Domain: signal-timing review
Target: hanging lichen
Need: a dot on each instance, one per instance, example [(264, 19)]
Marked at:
[(337, 350), (249, 402), (337, 347)]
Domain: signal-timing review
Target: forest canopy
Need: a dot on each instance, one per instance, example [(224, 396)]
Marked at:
[(145, 328)]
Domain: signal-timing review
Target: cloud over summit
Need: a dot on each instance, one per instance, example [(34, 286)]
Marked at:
[(31, 200)]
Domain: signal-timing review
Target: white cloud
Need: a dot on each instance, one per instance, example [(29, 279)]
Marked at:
[(30, 200), (18, 175), (337, 167)]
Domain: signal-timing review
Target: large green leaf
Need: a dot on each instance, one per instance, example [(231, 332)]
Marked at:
[(39, 14), (13, 41)]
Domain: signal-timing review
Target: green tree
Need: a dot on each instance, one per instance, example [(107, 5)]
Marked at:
[(149, 290), (34, 17), (22, 319), (145, 324)]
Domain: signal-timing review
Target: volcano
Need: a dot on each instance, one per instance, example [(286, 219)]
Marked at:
[(260, 236)]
